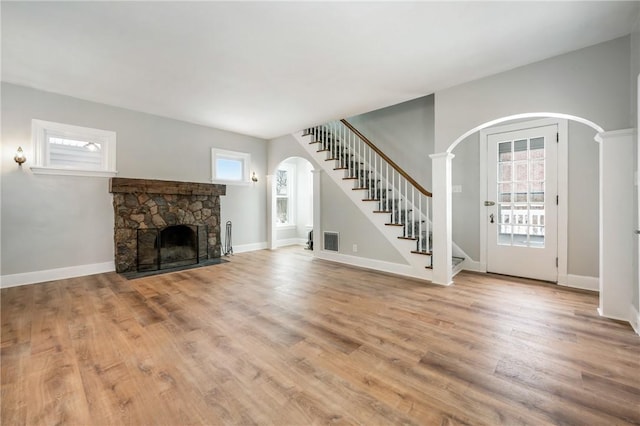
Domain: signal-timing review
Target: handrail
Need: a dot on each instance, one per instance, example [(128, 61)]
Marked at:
[(387, 159)]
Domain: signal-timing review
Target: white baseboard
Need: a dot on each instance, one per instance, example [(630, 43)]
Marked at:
[(613, 317), (291, 242), (376, 265), (635, 319), (242, 248), (580, 281), (34, 277)]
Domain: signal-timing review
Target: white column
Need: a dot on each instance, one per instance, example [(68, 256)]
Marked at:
[(616, 223), (317, 211), (441, 219), (271, 214)]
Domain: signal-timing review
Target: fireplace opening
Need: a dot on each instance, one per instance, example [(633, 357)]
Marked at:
[(178, 246), (169, 247)]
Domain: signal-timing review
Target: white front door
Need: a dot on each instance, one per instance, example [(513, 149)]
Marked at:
[(522, 184)]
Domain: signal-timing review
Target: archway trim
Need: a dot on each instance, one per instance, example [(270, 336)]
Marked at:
[(524, 116)]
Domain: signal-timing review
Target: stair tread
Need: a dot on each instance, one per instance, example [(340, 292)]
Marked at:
[(341, 168), (408, 238), (426, 253), (383, 211), (371, 199), (360, 188), (394, 224), (349, 178), (323, 150)]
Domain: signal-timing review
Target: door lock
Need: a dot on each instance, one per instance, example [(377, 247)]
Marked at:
[(491, 218)]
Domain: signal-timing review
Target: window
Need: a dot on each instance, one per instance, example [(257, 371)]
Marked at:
[(285, 176), (230, 167), (64, 149)]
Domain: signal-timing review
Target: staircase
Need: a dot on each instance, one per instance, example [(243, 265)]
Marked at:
[(386, 194)]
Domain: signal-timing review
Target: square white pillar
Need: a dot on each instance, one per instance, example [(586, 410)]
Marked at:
[(442, 219), (271, 214), (317, 211), (617, 220)]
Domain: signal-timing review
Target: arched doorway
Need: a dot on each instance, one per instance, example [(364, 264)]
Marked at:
[(615, 195), (534, 212), (443, 188), (291, 202)]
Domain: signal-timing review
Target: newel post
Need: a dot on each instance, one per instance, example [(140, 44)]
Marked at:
[(442, 218)]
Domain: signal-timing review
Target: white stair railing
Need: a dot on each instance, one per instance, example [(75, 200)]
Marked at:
[(406, 201)]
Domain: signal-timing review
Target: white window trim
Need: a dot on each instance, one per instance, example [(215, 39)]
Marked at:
[(291, 204), (310, 198), (236, 155), (39, 129)]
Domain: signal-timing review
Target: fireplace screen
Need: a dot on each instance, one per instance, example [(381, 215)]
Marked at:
[(171, 247)]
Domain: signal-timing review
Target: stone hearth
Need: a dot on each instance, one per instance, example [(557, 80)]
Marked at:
[(143, 204)]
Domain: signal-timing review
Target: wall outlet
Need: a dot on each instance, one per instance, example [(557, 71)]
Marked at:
[(355, 248)]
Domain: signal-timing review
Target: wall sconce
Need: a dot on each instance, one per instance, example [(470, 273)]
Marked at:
[(254, 178), (19, 157)]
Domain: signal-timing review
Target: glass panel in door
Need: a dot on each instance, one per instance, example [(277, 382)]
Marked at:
[(521, 192)]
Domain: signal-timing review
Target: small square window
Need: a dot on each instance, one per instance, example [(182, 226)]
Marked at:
[(73, 150), (230, 166)]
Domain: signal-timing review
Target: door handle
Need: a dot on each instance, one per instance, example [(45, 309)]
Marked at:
[(489, 203), (491, 218)]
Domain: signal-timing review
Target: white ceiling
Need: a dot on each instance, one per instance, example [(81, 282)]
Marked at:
[(270, 68)]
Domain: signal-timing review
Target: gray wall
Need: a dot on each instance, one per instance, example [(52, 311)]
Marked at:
[(592, 83), (466, 204), (284, 147), (339, 214), (405, 133), (584, 188), (52, 222)]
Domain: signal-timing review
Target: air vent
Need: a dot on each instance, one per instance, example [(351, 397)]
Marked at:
[(331, 241)]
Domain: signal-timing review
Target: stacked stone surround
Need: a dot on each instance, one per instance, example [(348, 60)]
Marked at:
[(156, 204)]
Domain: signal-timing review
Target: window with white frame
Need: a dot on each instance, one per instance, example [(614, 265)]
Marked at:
[(230, 167), (72, 150), (285, 181)]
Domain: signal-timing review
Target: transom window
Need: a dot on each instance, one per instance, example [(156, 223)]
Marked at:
[(230, 166), (73, 150)]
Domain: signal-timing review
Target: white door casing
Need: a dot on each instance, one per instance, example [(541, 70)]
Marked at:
[(522, 181)]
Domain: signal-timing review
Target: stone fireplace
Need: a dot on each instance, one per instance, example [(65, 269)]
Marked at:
[(164, 224)]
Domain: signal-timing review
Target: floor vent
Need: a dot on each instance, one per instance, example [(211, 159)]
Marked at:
[(331, 241)]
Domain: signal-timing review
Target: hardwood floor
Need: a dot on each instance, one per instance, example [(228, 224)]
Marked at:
[(280, 338)]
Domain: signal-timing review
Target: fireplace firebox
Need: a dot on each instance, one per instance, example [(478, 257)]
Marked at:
[(170, 247)]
